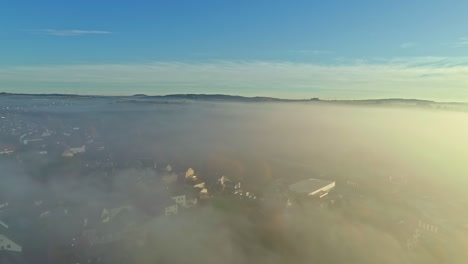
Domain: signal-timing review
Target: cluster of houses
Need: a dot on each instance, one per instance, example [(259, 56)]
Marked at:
[(70, 152), (7, 149), (25, 135), (85, 227)]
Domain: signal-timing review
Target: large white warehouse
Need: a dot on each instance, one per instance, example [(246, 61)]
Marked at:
[(312, 187)]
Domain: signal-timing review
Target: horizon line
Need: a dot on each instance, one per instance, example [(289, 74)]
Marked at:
[(231, 95)]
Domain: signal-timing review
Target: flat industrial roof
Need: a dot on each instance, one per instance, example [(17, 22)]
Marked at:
[(309, 186)]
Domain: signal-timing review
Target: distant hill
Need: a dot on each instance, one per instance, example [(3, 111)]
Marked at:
[(175, 98), (44, 95), (386, 101), (222, 97)]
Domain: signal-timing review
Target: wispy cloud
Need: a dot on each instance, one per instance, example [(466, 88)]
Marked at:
[(74, 32), (313, 52), (408, 45), (399, 77), (462, 42)]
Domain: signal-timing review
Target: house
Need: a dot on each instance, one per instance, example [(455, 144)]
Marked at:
[(171, 210), (226, 184), (238, 189), (7, 149), (32, 140), (204, 194), (76, 150), (190, 175), (46, 134), (67, 153), (200, 185), (223, 180), (7, 244), (312, 187), (180, 200), (22, 140), (191, 202), (184, 201)]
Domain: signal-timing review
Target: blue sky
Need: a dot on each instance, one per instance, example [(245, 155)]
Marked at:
[(294, 49)]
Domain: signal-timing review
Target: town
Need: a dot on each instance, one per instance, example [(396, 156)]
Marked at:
[(72, 227), (72, 192)]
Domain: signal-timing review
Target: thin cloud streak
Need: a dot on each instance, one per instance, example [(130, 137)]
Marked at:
[(446, 78), (313, 52), (74, 32), (462, 42), (408, 45)]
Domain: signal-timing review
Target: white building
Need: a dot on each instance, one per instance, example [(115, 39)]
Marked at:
[(312, 187), (171, 210), (8, 245), (191, 202), (7, 149), (67, 153), (204, 194), (200, 185), (22, 141), (223, 180), (189, 174), (180, 200), (238, 189), (81, 149)]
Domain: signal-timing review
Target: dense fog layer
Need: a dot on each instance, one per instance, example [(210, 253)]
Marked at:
[(262, 144)]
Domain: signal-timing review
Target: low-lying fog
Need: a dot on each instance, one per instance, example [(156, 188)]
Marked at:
[(313, 139), (262, 142)]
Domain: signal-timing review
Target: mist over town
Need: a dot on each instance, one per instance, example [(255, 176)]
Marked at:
[(247, 131), (108, 180)]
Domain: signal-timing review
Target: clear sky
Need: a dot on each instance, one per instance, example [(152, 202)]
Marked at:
[(293, 49)]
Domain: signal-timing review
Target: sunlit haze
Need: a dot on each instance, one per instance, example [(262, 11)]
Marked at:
[(208, 132)]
